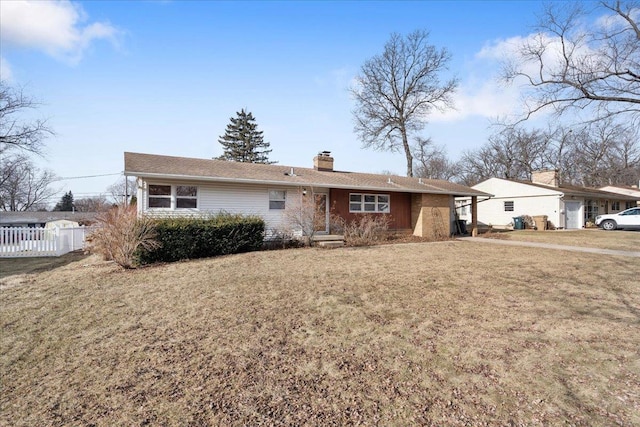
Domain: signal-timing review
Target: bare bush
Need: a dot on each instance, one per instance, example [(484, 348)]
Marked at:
[(366, 230), (303, 215), (121, 233)]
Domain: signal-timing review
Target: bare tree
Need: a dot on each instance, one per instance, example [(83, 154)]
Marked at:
[(23, 187), (606, 153), (395, 92), (511, 153), (568, 67), (518, 152), (561, 151), (15, 131), (477, 165), (122, 191), (92, 204), (303, 214), (627, 153), (432, 161), (593, 155)]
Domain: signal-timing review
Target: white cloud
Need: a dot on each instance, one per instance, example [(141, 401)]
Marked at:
[(5, 70), (481, 92), (57, 28)]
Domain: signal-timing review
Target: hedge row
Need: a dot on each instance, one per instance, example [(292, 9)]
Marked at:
[(190, 238)]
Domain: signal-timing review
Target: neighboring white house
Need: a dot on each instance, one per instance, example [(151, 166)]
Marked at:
[(627, 191), (565, 206), (40, 219), (186, 186)]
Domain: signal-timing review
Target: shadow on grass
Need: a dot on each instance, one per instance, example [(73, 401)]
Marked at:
[(14, 266)]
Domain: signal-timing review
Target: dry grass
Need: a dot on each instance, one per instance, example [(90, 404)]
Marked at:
[(589, 238), (450, 333)]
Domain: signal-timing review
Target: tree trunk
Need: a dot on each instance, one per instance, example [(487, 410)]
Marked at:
[(407, 151)]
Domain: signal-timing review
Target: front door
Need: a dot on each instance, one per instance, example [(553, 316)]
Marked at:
[(572, 215), (322, 213)]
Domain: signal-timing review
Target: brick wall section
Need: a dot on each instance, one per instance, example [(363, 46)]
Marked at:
[(430, 215), (416, 214)]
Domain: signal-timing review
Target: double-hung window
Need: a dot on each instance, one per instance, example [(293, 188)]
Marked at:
[(164, 196), (160, 196), (369, 203), (186, 197), (277, 199)]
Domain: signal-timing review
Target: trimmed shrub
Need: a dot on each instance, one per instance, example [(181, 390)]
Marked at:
[(202, 237)]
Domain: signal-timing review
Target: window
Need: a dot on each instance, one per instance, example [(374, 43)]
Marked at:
[(508, 206), (159, 196), (629, 205), (615, 206), (186, 197), (591, 211), (277, 199), (369, 203), (163, 196)]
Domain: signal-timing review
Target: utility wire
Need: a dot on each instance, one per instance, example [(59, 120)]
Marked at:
[(86, 176)]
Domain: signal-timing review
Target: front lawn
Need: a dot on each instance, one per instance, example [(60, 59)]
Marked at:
[(452, 333), (589, 238)]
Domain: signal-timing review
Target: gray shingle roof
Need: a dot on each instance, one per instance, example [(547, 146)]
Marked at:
[(574, 190), (44, 217), (183, 168)]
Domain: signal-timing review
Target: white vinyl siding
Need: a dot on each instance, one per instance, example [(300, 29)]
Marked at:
[(245, 199), (527, 200)]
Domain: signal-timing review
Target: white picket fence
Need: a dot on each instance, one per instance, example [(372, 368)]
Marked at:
[(18, 242)]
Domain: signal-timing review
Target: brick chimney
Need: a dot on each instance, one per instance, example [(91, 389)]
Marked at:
[(545, 177), (323, 161)]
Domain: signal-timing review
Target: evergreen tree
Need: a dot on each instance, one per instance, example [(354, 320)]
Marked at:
[(66, 203), (243, 142)]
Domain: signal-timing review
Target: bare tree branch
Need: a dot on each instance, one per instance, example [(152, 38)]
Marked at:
[(23, 187), (568, 67), (15, 132)]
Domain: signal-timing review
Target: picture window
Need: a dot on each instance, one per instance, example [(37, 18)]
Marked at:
[(369, 203)]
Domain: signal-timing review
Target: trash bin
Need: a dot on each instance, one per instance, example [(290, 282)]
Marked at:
[(461, 227), (541, 221), (518, 223)]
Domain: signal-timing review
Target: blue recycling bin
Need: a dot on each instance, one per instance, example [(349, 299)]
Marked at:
[(518, 223)]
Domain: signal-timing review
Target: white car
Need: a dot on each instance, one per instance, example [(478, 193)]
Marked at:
[(625, 219)]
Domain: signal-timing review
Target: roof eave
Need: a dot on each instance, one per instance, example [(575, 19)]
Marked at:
[(181, 177)]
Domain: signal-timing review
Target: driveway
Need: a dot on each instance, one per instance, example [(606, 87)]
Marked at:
[(552, 246)]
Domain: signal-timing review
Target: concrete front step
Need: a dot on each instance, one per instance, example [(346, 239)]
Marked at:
[(329, 240), (330, 243), (328, 237)]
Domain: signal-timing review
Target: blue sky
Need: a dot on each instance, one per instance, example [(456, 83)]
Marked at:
[(164, 77)]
